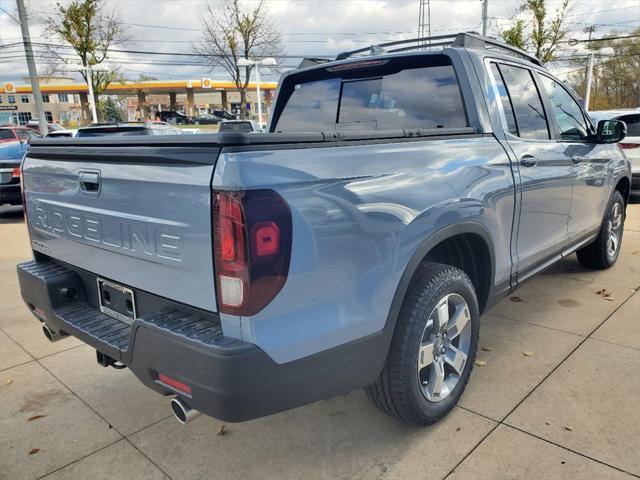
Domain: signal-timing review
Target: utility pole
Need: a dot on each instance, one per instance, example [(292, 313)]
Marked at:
[(485, 16), (33, 73)]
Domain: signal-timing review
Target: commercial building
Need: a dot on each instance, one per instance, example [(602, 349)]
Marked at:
[(67, 102)]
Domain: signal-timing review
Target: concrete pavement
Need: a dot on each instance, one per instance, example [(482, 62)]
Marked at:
[(568, 408)]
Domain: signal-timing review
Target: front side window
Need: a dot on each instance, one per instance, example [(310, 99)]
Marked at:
[(571, 122), (388, 96), (530, 116), (24, 98)]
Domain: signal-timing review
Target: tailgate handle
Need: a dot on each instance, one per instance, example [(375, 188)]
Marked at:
[(90, 182)]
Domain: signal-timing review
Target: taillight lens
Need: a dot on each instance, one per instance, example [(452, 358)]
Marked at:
[(629, 146), (16, 172), (252, 249)]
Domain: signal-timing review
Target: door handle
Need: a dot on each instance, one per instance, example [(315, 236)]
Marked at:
[(528, 161), (577, 159), (90, 181)]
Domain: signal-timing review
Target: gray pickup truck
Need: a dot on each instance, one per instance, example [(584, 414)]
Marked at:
[(398, 194)]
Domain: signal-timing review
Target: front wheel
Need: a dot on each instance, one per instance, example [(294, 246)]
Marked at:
[(605, 249), (433, 347)]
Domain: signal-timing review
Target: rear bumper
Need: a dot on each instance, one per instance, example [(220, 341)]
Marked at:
[(229, 379), (10, 193)]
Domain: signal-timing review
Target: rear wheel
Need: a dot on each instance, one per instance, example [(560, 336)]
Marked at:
[(433, 347), (605, 249)]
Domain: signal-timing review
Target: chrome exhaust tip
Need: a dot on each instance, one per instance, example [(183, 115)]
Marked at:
[(51, 335), (183, 412)]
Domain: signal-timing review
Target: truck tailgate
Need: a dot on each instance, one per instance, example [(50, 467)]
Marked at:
[(135, 215)]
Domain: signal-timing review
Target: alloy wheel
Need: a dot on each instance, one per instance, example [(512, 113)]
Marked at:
[(444, 347)]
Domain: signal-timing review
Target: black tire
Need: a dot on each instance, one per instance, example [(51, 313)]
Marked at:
[(598, 254), (398, 391)]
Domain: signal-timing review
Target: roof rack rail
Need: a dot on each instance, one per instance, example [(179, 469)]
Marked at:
[(463, 39)]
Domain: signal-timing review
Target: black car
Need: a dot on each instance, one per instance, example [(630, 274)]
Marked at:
[(127, 129), (172, 116), (224, 115)]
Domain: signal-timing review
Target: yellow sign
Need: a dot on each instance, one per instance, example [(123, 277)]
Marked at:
[(9, 87), (206, 83)]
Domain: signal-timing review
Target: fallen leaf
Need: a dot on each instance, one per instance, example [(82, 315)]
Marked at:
[(9, 382), (33, 451), (601, 291), (637, 252), (481, 363), (569, 428), (485, 349), (221, 430), (35, 417), (515, 299), (610, 299), (528, 354), (458, 429)]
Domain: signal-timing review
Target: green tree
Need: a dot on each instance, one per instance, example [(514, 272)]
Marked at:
[(109, 110), (537, 34), (91, 30), (229, 34)]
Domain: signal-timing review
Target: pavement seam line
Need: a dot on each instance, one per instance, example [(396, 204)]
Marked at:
[(501, 422), (123, 437), (508, 425), (126, 439)]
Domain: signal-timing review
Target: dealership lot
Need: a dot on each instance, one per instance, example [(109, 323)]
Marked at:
[(556, 395)]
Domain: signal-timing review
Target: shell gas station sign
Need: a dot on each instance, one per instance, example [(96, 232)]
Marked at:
[(9, 87)]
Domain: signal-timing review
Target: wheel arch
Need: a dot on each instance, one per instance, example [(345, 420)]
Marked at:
[(430, 249)]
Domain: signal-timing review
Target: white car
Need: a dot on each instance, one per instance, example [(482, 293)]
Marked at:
[(631, 143), (63, 133)]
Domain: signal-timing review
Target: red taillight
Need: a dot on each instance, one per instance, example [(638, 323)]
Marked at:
[(175, 384), (252, 249), (16, 172), (629, 146)]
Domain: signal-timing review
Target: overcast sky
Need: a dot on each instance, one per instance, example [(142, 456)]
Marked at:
[(308, 28)]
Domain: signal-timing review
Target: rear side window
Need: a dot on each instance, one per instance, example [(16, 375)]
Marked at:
[(7, 135), (633, 124), (510, 117), (531, 119), (385, 97)]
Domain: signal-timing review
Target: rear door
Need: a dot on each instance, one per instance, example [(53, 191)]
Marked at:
[(139, 216), (544, 173), (590, 161)]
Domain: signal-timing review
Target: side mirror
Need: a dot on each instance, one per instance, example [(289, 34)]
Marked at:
[(611, 131)]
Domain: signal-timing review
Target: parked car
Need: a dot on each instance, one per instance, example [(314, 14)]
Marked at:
[(178, 118), (396, 198), (12, 134), (35, 126), (11, 154), (245, 126), (127, 129), (631, 144), (63, 133), (224, 115)]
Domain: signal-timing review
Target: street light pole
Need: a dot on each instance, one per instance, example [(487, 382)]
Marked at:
[(587, 94), (33, 72), (258, 93)]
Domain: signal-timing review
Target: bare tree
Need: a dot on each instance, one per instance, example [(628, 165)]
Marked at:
[(229, 34), (91, 30), (544, 36)]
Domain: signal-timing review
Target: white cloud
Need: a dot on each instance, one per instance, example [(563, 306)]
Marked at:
[(308, 27)]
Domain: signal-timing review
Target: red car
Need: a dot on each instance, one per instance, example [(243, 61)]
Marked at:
[(11, 134)]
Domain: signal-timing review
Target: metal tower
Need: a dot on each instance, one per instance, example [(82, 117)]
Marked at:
[(424, 27)]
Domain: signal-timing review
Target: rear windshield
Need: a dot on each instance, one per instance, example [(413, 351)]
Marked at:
[(236, 127), (408, 92), (633, 124), (112, 132)]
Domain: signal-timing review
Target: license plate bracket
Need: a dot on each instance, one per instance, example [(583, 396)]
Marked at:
[(117, 301)]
